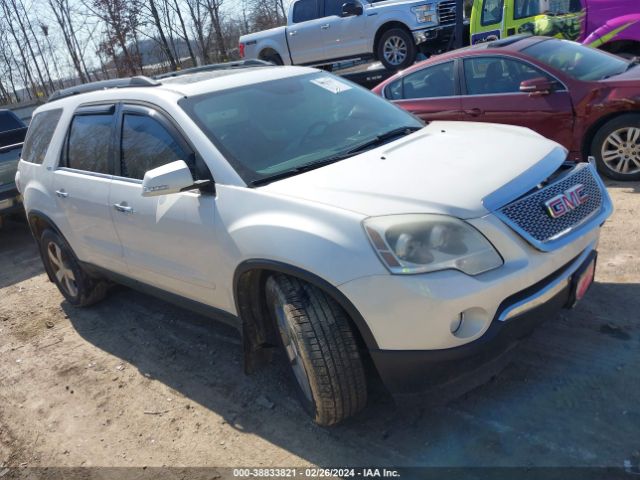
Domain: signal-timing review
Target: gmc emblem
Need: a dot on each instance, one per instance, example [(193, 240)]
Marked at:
[(565, 202)]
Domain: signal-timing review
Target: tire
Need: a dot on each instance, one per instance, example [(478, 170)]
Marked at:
[(616, 147), (401, 42), (78, 287), (321, 349), (275, 59)]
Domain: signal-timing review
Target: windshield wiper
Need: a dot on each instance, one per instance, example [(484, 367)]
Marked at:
[(375, 141), (633, 63)]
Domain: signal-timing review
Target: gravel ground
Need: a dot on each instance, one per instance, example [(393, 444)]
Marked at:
[(134, 381)]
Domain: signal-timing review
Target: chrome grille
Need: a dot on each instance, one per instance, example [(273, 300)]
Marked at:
[(529, 217), (447, 11)]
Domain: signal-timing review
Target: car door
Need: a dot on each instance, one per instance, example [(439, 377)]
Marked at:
[(431, 93), (305, 34), (343, 36), (492, 94), (82, 181), (168, 240)]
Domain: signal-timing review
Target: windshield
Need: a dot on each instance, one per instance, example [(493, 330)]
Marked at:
[(578, 61), (268, 128)]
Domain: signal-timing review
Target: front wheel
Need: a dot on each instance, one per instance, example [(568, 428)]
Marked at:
[(616, 148), (320, 347), (396, 49)]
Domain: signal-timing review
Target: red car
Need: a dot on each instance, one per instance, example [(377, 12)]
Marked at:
[(585, 99)]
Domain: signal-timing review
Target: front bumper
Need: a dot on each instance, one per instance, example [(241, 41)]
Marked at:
[(449, 372)]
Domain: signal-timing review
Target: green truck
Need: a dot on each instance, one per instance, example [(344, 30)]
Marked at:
[(12, 133)]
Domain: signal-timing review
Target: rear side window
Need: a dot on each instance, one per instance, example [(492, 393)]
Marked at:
[(146, 145), (8, 121), (436, 81), (305, 10), (39, 135), (89, 142)]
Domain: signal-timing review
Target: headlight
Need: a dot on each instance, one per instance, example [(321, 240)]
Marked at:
[(424, 13), (419, 243)]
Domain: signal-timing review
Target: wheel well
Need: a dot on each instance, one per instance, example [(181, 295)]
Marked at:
[(631, 47), (38, 223), (258, 330), (587, 139), (384, 28), (268, 52)]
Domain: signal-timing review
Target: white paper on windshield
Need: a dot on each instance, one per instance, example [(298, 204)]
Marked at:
[(331, 84)]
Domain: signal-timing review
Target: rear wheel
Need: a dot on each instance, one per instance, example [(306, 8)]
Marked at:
[(616, 148), (76, 285), (274, 58), (396, 49), (320, 347)]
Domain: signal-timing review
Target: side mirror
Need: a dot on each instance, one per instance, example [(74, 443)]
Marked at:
[(351, 9), (173, 177), (538, 86)]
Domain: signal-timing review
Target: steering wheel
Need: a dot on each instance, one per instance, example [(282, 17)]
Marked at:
[(311, 129)]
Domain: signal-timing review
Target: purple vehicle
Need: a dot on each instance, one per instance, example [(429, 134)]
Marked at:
[(612, 25)]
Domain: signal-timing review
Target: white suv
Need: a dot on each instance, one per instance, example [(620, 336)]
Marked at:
[(314, 215)]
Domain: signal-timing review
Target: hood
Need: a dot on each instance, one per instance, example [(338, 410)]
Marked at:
[(388, 3), (630, 78), (446, 168)]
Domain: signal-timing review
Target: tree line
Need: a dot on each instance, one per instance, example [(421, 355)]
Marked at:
[(50, 44)]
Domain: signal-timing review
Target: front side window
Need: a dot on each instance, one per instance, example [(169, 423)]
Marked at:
[(305, 10), (279, 126), (491, 12), (578, 61), (333, 7), (89, 142), (494, 75), (531, 8), (436, 81), (39, 135), (146, 144)]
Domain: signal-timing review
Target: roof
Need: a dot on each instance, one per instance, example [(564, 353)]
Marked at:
[(191, 81)]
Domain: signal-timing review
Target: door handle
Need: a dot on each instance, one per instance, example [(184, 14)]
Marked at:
[(123, 208), (292, 34), (474, 112), (61, 193), (324, 27)]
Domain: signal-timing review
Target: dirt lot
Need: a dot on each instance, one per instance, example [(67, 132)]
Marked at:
[(134, 381)]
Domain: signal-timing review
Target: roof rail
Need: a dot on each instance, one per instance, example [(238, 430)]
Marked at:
[(214, 67), (139, 81), (504, 42)]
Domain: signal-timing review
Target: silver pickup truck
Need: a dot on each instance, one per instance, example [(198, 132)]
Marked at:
[(12, 133), (321, 32)]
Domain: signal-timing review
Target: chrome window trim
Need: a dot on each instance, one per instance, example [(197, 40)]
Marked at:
[(570, 234), (88, 173)]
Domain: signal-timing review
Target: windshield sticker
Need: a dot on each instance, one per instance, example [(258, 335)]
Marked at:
[(331, 84)]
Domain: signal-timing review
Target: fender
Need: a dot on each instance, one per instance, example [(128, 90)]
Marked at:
[(625, 27), (316, 281), (273, 45)]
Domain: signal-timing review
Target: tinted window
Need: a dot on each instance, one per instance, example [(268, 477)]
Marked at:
[(394, 90), (277, 126), (580, 62), (491, 12), (305, 10), (146, 145), (437, 81), (492, 75), (39, 135), (530, 8), (89, 142), (8, 121), (333, 7)]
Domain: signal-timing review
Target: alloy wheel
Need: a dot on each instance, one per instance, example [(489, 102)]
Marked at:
[(395, 50), (61, 269), (293, 356), (621, 150)]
